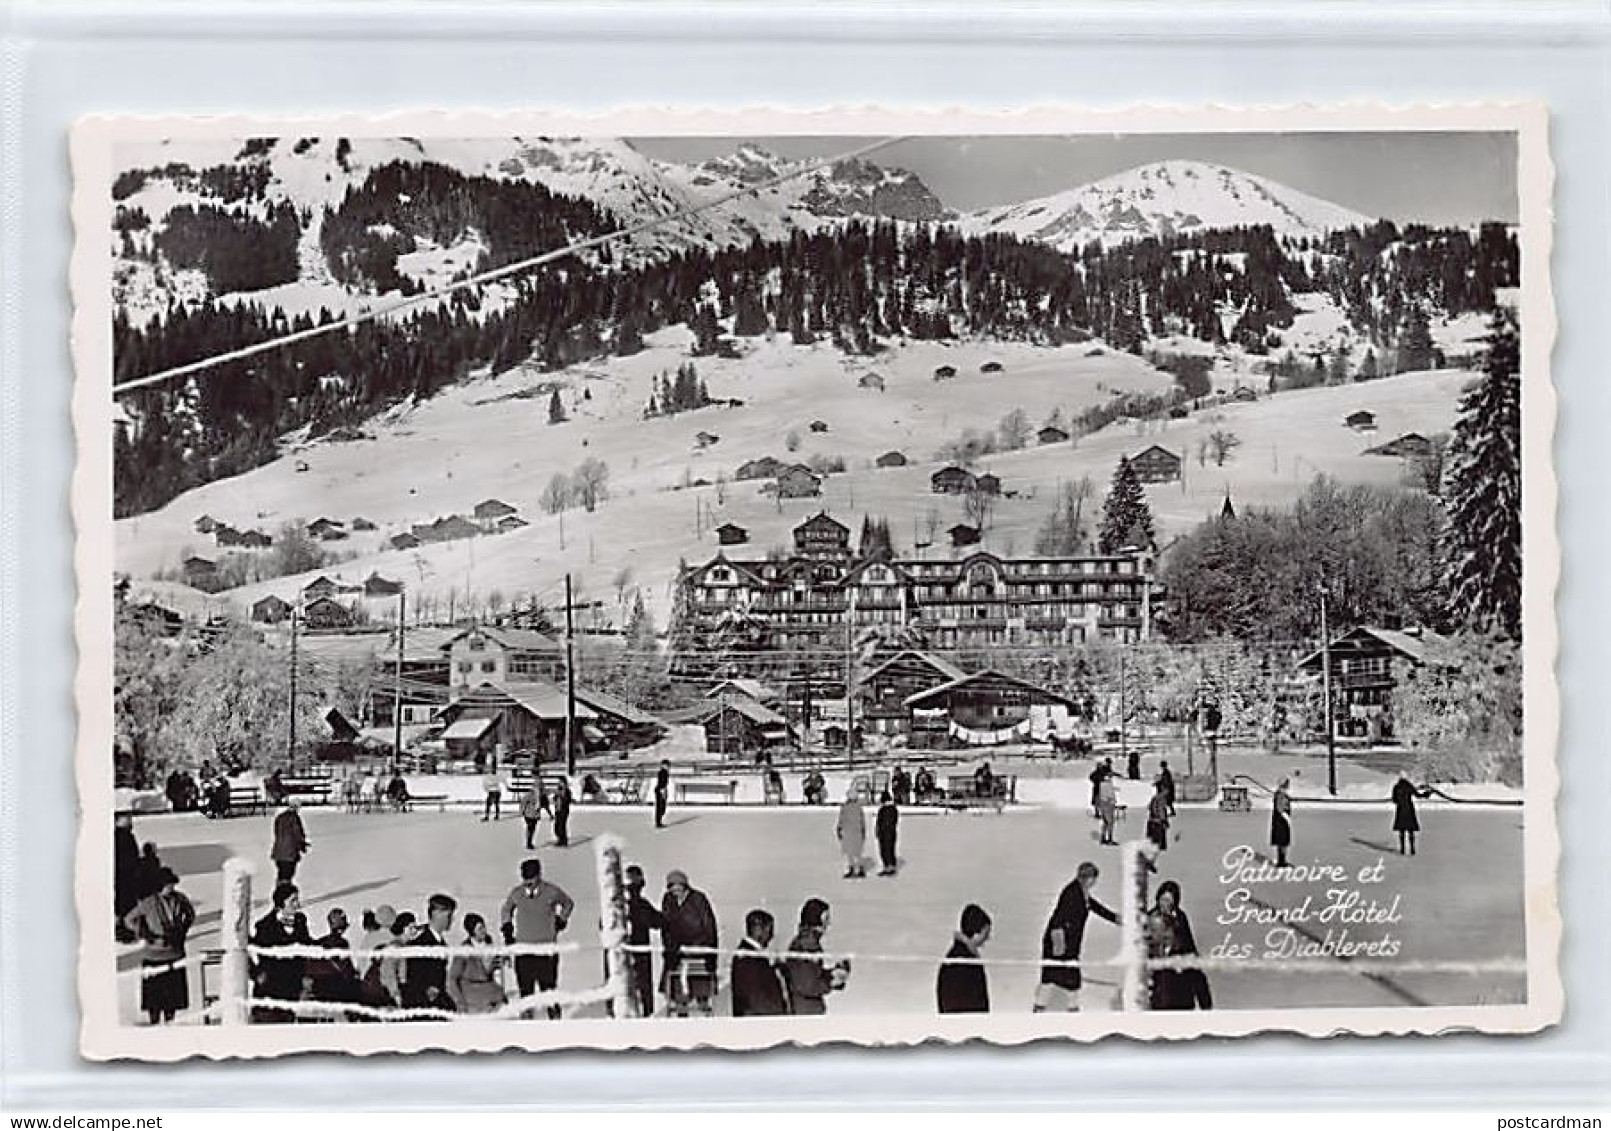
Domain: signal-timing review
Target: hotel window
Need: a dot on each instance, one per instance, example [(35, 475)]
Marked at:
[(477, 644)]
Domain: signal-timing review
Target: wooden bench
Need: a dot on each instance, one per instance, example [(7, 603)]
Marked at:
[(961, 792), (244, 799), (723, 791), (312, 790), (440, 800)]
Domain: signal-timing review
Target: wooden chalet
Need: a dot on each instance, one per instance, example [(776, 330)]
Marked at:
[(326, 614), (988, 483), (511, 522), (764, 468), (706, 439), (205, 524), (738, 726), (871, 381), (1366, 666), (500, 655), (526, 718), (990, 367), (271, 609), (198, 569), (405, 541), (945, 372), (224, 535), (1361, 421), (1407, 446), (952, 481), (447, 529), (321, 586), (983, 709), (891, 459), (256, 540), (1051, 434), (883, 691), (819, 426), (322, 528), (731, 534), (1156, 465), (798, 482), (822, 537)]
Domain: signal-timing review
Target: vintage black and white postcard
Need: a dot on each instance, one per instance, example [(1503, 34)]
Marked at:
[(675, 579)]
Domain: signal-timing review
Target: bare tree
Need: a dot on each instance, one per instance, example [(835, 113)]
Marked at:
[(1014, 430), (592, 482), (1221, 444), (557, 496), (979, 506)]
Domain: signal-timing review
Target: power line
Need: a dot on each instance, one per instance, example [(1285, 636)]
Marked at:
[(348, 320)]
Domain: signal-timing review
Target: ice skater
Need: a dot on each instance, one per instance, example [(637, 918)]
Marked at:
[(1107, 807), (1063, 939), (886, 826), (963, 984), (1158, 817), (1405, 821), (533, 804), (290, 841), (662, 794), (851, 829), (1281, 822)]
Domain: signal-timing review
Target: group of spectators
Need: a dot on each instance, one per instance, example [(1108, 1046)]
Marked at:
[(391, 972)]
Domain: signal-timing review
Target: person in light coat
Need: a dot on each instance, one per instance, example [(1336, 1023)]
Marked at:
[(851, 829)]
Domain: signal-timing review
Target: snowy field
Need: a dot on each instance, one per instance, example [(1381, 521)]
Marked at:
[(491, 438), (1012, 863)]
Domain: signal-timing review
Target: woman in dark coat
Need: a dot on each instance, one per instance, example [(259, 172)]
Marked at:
[(562, 814), (125, 871), (1405, 821), (162, 920), (1281, 823), (1158, 817), (962, 985), (1169, 935), (687, 921)]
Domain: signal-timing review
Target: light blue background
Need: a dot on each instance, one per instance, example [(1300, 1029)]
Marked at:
[(64, 60)]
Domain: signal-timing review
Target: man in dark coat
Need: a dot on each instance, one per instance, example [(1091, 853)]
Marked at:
[(900, 786), (885, 827), (290, 841), (425, 986), (334, 978), (1063, 939), (757, 982), (1405, 822), (642, 918), (1166, 783), (562, 814), (963, 985), (662, 794), (281, 979), (687, 922)]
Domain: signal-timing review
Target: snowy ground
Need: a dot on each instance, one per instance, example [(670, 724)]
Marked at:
[(491, 438), (1012, 863)]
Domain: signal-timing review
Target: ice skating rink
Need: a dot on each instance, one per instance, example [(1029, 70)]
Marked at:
[(1459, 900)]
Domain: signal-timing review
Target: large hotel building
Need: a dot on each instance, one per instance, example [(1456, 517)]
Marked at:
[(975, 600)]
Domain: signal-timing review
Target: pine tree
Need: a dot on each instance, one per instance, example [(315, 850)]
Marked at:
[(1126, 517), (556, 409), (1415, 348), (1483, 542), (1367, 369)]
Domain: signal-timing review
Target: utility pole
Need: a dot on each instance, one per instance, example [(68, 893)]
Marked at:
[(570, 684), (397, 690), (1325, 684), (290, 743), (850, 677), (1124, 739)]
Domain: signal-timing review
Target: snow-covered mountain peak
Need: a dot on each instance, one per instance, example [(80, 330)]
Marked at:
[(1161, 199)]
